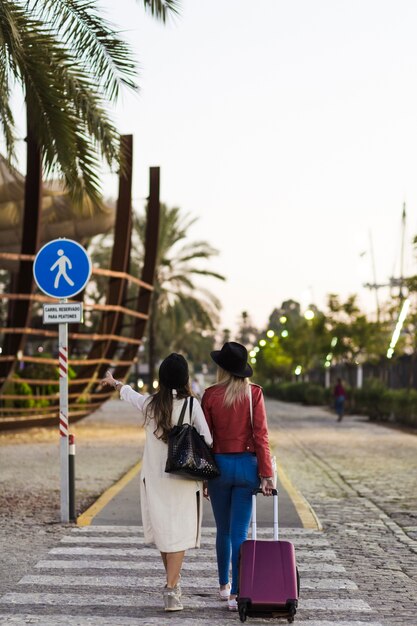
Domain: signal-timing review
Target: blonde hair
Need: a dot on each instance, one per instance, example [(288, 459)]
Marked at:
[(237, 388)]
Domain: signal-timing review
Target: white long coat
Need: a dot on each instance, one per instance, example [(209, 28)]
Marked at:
[(172, 506)]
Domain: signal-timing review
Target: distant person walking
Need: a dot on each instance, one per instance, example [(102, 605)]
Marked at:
[(242, 454), (196, 389), (171, 505), (339, 394)]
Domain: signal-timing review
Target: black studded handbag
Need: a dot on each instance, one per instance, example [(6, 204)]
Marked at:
[(188, 453)]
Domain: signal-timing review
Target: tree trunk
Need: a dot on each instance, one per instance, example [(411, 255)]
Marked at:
[(152, 329)]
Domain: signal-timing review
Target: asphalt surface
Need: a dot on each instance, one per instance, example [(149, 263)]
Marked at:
[(124, 509)]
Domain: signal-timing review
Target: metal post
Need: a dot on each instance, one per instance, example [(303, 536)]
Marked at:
[(63, 418), (253, 517), (359, 376), (71, 476), (275, 496)]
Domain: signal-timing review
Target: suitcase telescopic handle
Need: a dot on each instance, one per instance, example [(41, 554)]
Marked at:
[(275, 501)]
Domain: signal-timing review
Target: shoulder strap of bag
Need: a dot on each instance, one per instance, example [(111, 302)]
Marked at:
[(250, 405), (273, 458), (181, 418), (191, 409)]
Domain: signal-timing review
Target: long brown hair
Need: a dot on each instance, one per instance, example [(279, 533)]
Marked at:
[(236, 388), (159, 408)]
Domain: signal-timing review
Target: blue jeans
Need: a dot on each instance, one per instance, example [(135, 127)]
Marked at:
[(340, 405), (231, 500)]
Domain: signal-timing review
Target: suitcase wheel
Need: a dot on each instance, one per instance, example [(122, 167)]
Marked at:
[(291, 612), (243, 610)]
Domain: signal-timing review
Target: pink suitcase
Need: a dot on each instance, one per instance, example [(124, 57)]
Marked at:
[(268, 577)]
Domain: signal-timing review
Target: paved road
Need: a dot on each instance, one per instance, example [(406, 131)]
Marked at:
[(124, 509), (361, 569)]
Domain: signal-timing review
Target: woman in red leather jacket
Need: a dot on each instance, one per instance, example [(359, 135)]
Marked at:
[(242, 454)]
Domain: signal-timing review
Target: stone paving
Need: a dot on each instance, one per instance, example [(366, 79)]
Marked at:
[(361, 569), (361, 479)]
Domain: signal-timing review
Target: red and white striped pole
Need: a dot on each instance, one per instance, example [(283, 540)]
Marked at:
[(63, 418)]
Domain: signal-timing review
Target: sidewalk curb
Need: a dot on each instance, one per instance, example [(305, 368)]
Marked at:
[(305, 512)]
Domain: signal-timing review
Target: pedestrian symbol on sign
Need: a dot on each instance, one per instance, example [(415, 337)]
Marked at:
[(61, 264), (62, 268)]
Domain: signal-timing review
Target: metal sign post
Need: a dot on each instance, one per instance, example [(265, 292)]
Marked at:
[(63, 419), (61, 269)]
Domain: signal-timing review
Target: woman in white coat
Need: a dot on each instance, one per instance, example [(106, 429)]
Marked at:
[(171, 505)]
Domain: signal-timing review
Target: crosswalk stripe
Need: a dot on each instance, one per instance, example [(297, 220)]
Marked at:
[(206, 541), (146, 582), (125, 582), (321, 567), (192, 554), (153, 600), (318, 568), (206, 531), (77, 599), (324, 604), (133, 552), (111, 569), (22, 619), (103, 540)]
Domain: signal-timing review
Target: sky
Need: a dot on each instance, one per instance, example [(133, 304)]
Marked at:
[(289, 129)]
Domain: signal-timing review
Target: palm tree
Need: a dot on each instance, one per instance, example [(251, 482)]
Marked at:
[(247, 332), (69, 63), (178, 306)]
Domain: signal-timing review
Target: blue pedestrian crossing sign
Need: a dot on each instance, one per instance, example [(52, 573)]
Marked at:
[(62, 268)]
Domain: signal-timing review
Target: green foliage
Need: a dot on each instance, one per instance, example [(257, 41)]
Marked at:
[(303, 393), (371, 399), (374, 400), (382, 404), (70, 63), (161, 8), (297, 342), (315, 395), (43, 371), (17, 386), (343, 334), (403, 405), (356, 335), (272, 361), (187, 329), (179, 306)]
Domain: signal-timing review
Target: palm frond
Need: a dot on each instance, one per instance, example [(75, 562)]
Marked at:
[(66, 115), (7, 122), (69, 62), (211, 298), (183, 309), (198, 254), (162, 8), (207, 273), (90, 39), (179, 279)]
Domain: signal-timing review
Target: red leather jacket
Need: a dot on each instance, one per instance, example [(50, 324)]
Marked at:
[(231, 426)]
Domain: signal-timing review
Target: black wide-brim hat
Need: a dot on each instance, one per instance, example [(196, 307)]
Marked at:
[(173, 371), (233, 358)]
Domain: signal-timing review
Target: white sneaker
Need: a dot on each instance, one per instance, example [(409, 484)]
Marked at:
[(232, 605), (172, 599), (224, 594)]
